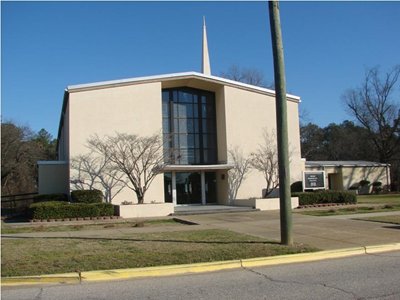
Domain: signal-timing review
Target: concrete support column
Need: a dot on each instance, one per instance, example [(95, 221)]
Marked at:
[(174, 188), (203, 187)]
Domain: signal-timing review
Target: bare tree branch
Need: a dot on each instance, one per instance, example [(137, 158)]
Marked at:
[(373, 106), (138, 158), (246, 75), (265, 160), (239, 172), (92, 170)]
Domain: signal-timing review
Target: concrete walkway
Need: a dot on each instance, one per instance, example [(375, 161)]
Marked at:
[(325, 233)]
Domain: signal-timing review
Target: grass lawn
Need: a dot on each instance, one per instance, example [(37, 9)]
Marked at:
[(53, 227), (35, 256), (365, 204), (384, 219), (349, 210), (392, 199)]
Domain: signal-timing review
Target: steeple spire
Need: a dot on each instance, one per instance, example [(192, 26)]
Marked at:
[(205, 65)]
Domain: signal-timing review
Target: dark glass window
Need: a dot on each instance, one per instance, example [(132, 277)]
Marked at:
[(189, 126), (168, 187)]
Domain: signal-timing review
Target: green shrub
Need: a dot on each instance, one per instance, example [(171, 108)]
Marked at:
[(41, 209), (377, 187), (87, 196), (309, 198), (354, 186), (296, 187), (61, 210), (364, 183), (50, 197), (105, 209)]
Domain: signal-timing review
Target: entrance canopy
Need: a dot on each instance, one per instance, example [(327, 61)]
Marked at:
[(178, 168)]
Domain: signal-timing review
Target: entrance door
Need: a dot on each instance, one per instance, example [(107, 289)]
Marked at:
[(191, 187), (334, 180), (188, 188)]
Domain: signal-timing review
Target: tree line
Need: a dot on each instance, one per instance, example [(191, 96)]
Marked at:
[(21, 148)]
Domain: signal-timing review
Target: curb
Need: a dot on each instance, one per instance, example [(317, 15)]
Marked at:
[(41, 279), (120, 274), (382, 248)]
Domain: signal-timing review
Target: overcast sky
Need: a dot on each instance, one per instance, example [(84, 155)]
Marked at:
[(47, 46)]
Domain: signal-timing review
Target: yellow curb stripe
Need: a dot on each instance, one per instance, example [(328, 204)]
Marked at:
[(302, 257), (32, 280), (119, 274), (382, 248), (160, 271)]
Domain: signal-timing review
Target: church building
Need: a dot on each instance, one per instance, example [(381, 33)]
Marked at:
[(205, 115)]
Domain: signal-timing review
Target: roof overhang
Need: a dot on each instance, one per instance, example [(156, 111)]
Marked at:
[(345, 164), (178, 168), (52, 162), (164, 79)]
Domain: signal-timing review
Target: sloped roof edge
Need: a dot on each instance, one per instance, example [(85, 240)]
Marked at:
[(173, 76), (345, 163)]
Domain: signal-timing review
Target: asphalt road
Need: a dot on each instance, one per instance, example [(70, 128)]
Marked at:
[(374, 276)]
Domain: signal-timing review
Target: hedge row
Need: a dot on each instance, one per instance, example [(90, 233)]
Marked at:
[(80, 196), (61, 209), (87, 196), (309, 198), (50, 197)]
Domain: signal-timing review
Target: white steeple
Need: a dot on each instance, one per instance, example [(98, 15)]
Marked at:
[(205, 65)]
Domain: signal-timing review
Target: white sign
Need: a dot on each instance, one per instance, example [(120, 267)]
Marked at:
[(313, 180)]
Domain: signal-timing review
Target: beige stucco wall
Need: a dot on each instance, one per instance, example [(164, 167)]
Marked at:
[(145, 210), (222, 187), (53, 177), (265, 203), (248, 115), (352, 175), (132, 109)]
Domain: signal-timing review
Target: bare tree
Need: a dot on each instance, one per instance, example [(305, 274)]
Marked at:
[(246, 75), (376, 106), (92, 170), (138, 158), (265, 160), (241, 167), (373, 106)]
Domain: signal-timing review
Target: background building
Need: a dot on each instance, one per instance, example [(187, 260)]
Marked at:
[(343, 175)]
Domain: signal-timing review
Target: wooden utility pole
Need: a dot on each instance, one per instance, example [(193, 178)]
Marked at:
[(281, 124)]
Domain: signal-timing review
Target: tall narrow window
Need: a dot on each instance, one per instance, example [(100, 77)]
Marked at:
[(189, 126)]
